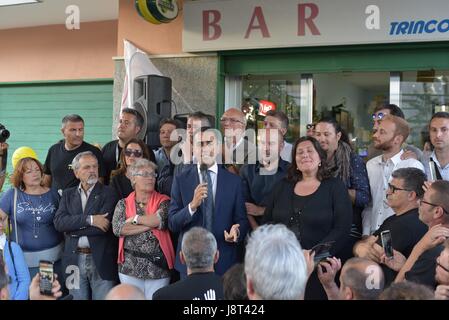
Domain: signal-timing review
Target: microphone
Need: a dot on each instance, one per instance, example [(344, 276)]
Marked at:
[(203, 171)]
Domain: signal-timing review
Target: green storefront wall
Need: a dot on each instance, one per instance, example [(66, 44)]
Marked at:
[(359, 58), (32, 112)]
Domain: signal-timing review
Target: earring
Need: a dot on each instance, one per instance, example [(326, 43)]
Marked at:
[(319, 164)]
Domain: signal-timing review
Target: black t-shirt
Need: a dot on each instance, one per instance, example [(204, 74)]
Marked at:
[(59, 160), (122, 186), (406, 230), (111, 157), (197, 285), (423, 271)]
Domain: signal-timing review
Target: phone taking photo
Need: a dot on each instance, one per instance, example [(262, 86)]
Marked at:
[(46, 277), (387, 244), (322, 251)]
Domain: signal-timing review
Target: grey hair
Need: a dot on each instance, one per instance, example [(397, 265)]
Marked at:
[(199, 247), (71, 118), (139, 164), (275, 263), (76, 160)]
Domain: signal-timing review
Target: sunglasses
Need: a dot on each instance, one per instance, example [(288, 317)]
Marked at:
[(394, 188), (378, 116), (310, 126), (135, 153)]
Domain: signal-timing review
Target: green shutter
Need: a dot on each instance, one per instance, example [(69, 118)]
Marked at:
[(32, 112)]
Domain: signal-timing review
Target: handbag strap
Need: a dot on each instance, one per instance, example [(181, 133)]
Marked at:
[(15, 216)]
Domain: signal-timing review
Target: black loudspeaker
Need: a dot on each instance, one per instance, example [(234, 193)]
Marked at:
[(152, 98)]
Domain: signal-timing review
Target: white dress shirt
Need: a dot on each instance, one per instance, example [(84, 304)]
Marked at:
[(443, 171), (83, 242), (379, 174), (286, 152), (213, 171)]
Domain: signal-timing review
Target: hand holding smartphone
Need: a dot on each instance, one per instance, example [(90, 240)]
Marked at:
[(46, 277), (387, 243)]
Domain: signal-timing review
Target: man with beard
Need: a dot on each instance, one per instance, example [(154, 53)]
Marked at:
[(84, 215), (391, 133)]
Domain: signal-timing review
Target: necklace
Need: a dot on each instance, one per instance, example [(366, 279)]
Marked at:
[(36, 209)]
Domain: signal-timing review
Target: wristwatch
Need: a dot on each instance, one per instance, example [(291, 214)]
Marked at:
[(134, 222)]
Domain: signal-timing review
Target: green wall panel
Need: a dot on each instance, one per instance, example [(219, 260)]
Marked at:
[(32, 112)]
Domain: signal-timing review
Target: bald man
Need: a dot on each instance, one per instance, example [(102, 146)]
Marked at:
[(360, 279), (238, 149), (125, 292)]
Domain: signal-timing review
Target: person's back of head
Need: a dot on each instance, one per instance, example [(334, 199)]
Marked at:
[(407, 290), (125, 292), (361, 279), (234, 283), (199, 250), (275, 265)]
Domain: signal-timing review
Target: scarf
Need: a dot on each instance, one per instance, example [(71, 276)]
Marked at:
[(340, 165), (162, 236)]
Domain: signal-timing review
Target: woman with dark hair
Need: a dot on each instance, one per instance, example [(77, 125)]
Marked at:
[(31, 208), (343, 163), (133, 150), (311, 203)]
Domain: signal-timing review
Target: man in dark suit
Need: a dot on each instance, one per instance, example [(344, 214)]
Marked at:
[(84, 215), (199, 252), (217, 205)]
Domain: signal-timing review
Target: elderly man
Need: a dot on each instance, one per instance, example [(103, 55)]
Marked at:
[(129, 126), (58, 172), (237, 148), (442, 274), (125, 292), (421, 264), (199, 252), (84, 215), (360, 279), (403, 195), (275, 265)]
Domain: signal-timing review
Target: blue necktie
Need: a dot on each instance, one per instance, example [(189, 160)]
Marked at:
[(208, 203)]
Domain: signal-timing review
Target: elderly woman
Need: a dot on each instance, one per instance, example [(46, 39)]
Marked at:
[(133, 150), (146, 253), (343, 163), (31, 208), (311, 204)]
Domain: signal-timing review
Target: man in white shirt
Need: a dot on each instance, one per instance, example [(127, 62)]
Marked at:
[(392, 132), (439, 137)]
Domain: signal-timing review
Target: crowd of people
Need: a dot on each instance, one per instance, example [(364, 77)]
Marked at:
[(231, 214)]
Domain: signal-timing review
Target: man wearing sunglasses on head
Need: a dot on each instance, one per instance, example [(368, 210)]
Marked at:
[(379, 113)]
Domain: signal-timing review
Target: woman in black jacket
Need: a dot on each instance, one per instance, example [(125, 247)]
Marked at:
[(315, 206)]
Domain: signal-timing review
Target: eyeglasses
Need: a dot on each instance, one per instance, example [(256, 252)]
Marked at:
[(146, 175), (442, 267), (394, 188), (135, 153), (231, 120), (433, 205), (378, 116), (310, 126)]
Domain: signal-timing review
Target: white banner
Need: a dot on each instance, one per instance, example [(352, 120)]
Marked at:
[(249, 24)]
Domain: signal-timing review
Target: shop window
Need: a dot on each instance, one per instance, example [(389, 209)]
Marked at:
[(422, 93)]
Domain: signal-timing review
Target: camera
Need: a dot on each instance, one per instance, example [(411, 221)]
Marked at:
[(322, 252), (4, 133)]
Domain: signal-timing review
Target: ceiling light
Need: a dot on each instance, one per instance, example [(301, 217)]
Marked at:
[(4, 3)]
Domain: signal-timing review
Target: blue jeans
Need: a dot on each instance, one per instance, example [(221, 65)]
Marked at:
[(91, 286)]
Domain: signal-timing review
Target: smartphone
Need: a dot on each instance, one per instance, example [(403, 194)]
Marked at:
[(46, 275), (385, 237), (322, 251)]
